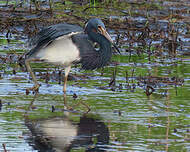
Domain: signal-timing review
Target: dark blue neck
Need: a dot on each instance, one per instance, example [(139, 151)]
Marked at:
[(105, 50)]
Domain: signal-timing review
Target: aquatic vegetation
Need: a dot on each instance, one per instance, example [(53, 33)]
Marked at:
[(142, 96)]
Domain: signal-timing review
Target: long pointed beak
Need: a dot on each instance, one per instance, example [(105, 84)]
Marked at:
[(114, 45), (105, 33)]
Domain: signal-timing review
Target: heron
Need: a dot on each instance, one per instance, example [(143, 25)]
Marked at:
[(67, 44), (68, 134)]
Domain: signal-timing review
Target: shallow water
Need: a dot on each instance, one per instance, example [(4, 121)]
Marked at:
[(136, 118), (136, 122)]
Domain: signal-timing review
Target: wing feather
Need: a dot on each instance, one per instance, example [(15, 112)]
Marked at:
[(48, 34)]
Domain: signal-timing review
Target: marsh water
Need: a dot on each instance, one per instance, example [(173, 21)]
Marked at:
[(139, 102)]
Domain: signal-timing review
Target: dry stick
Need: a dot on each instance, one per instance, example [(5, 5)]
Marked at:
[(36, 5), (114, 75), (149, 52), (126, 77), (50, 5), (7, 2), (133, 70), (176, 86), (112, 81), (60, 78), (130, 45), (47, 76), (168, 122), (4, 148), (176, 43)]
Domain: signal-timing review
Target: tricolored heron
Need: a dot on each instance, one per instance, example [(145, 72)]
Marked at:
[(68, 134), (67, 44)]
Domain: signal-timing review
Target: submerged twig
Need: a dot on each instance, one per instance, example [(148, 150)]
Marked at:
[(4, 147)]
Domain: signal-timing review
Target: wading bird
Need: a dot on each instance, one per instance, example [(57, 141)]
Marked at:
[(67, 44)]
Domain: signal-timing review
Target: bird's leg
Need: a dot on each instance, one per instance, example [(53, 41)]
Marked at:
[(67, 70), (29, 69)]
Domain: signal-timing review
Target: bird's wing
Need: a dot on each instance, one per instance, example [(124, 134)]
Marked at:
[(48, 34), (52, 32)]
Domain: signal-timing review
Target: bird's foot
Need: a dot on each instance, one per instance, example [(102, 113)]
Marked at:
[(73, 108), (76, 105), (68, 108), (84, 104), (34, 89)]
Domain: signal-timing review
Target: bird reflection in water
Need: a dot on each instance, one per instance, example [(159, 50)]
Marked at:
[(60, 134)]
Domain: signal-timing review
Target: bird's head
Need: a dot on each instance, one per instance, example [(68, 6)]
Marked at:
[(97, 26)]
